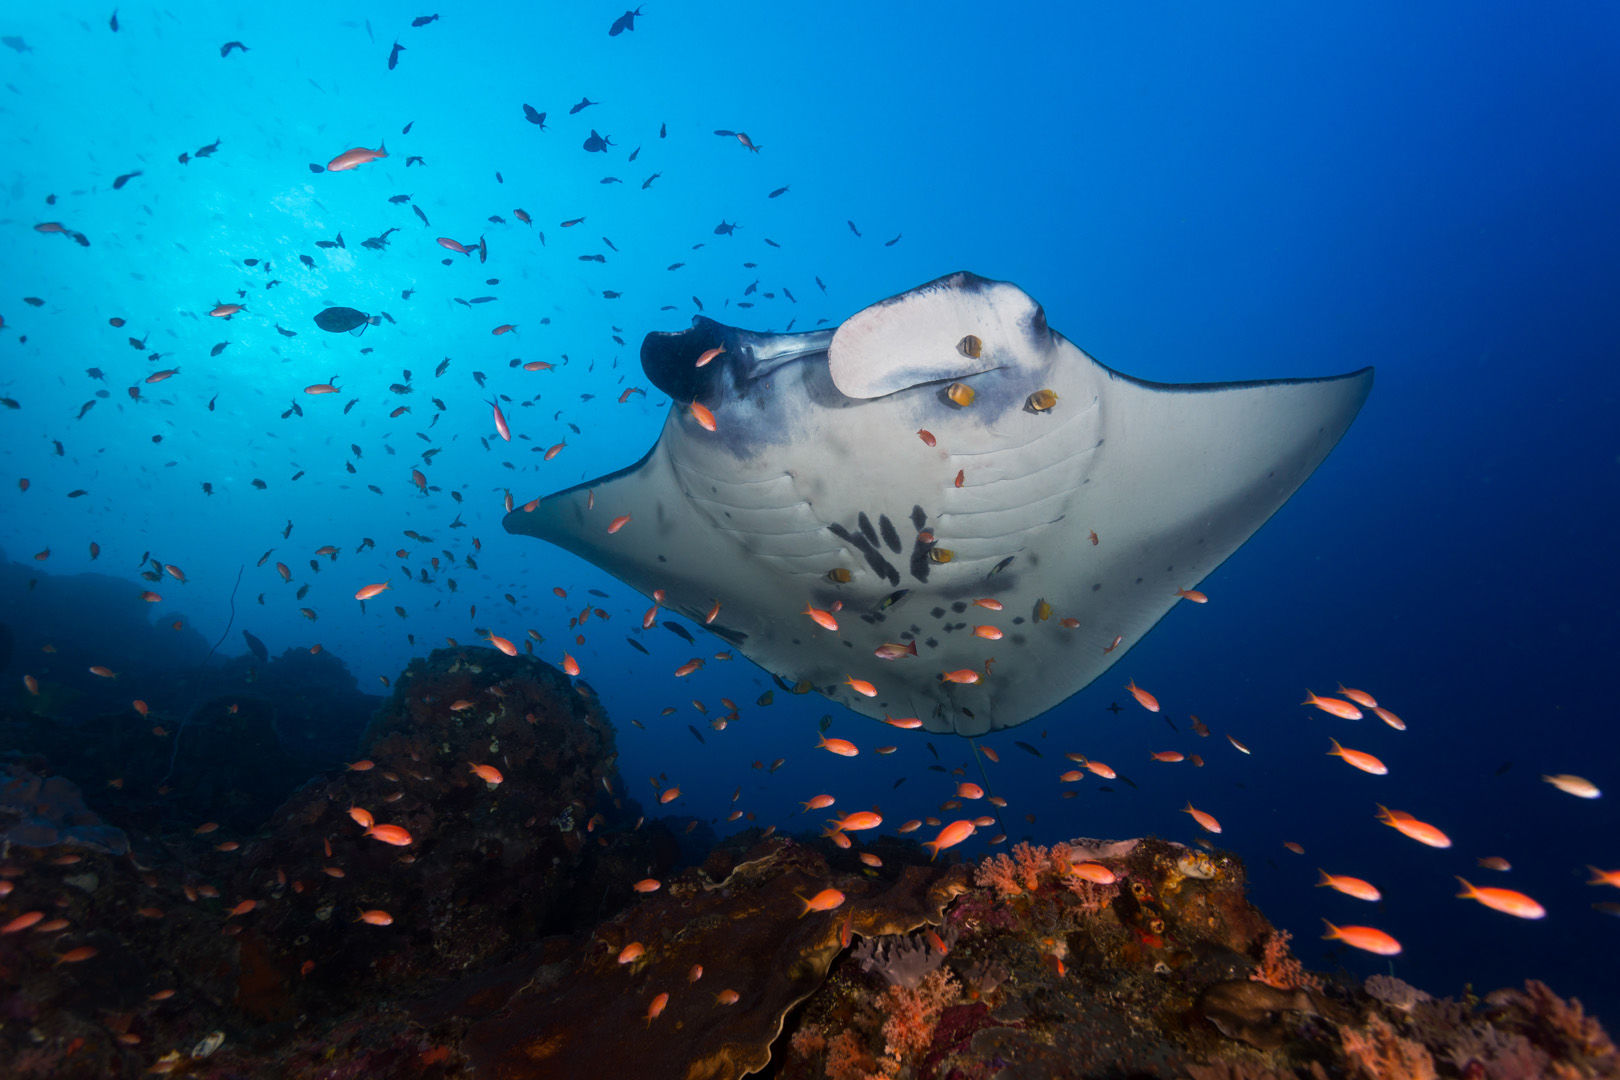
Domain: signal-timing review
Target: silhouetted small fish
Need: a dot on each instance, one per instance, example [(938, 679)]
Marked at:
[(584, 102), (634, 154), (779, 191), (822, 286), (534, 116), (256, 647), (338, 243), (207, 151), (124, 179), (285, 333), (415, 159), (695, 733), (1026, 747), (307, 261), (624, 22), (638, 646), (113, 22), (679, 631), (225, 49), (852, 228), (393, 56), (891, 243), (597, 144), (217, 349), (610, 180), (423, 20), (406, 130), (399, 200), (725, 228)]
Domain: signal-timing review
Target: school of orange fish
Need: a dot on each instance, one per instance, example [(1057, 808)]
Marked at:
[(430, 570)]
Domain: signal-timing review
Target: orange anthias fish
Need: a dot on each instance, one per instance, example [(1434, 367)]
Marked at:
[(825, 900), (489, 774), (1366, 938), (1358, 758), (501, 427), (822, 618), (703, 416), (1507, 901), (855, 822), (351, 159), (1192, 594), (1143, 698), (1333, 706), (1350, 886), (860, 686), (377, 917), (1407, 825), (389, 834), (369, 591), (1205, 819), (950, 836), (841, 747)]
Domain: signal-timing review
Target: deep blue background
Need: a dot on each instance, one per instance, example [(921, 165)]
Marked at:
[(1243, 192)]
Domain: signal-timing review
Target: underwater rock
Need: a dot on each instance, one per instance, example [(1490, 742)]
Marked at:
[(485, 938), (744, 930), (42, 812)]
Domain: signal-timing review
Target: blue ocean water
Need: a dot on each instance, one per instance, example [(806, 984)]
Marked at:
[(1257, 192)]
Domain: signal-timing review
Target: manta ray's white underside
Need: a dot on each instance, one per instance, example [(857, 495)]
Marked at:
[(816, 465)]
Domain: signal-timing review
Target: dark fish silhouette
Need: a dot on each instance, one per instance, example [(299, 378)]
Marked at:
[(285, 333), (393, 56), (256, 647), (207, 151), (852, 228), (647, 183), (399, 200), (419, 213), (624, 22), (225, 49), (345, 320), (415, 159), (217, 349), (597, 144), (126, 178), (584, 102), (16, 43), (891, 243), (406, 130), (725, 229), (113, 22), (779, 191), (423, 20), (634, 154), (338, 243), (534, 116)]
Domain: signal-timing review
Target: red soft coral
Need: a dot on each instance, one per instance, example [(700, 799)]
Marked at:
[(912, 1014)]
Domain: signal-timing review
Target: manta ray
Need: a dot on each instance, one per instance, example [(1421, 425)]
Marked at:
[(989, 516)]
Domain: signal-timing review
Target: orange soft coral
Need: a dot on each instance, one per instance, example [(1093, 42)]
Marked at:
[(1279, 968), (912, 1014)]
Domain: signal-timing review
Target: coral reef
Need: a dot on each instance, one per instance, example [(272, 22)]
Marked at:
[(456, 901)]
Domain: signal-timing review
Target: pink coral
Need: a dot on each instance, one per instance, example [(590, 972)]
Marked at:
[(912, 1014), (1376, 1052), (1279, 968)]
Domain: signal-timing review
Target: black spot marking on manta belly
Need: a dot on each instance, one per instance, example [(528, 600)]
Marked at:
[(866, 528), (890, 536), (918, 518), (920, 562), (959, 606), (880, 566), (938, 613)]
